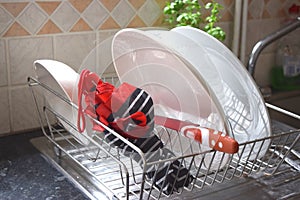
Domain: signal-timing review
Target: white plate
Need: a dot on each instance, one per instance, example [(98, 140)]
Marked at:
[(240, 98), (62, 79), (177, 91)]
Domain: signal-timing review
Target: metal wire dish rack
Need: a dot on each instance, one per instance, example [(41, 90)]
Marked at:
[(137, 175)]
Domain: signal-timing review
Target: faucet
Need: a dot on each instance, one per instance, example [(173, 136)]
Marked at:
[(260, 45)]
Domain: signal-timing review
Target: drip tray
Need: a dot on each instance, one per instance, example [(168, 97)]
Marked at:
[(74, 173), (237, 188)]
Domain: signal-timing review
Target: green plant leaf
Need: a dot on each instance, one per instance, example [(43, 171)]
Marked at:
[(188, 13), (208, 5)]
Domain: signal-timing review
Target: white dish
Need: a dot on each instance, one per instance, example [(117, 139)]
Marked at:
[(63, 80), (177, 91), (239, 97)]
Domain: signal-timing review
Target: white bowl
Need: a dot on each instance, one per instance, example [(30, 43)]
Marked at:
[(62, 79)]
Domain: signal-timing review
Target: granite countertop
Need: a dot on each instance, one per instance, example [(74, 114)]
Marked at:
[(25, 174)]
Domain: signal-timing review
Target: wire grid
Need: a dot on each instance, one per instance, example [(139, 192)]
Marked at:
[(126, 179)]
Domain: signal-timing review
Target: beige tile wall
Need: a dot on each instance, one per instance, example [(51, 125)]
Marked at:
[(56, 29), (3, 69), (68, 30), (4, 110)]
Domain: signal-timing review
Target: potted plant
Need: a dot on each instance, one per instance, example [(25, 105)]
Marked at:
[(189, 13)]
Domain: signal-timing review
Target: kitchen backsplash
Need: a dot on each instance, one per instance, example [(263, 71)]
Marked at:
[(68, 30)]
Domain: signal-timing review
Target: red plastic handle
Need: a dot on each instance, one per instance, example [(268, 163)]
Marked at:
[(217, 140)]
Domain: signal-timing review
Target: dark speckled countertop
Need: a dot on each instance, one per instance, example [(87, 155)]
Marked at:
[(25, 174)]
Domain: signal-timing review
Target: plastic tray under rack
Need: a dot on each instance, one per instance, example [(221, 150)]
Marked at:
[(103, 170)]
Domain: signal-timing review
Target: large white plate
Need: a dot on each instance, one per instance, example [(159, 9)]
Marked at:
[(240, 98), (177, 91), (62, 79)]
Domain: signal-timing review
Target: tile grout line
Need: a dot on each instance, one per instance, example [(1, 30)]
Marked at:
[(53, 46), (9, 86), (44, 23), (17, 19), (10, 24)]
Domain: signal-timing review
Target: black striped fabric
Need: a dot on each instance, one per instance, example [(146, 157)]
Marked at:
[(141, 101), (167, 176)]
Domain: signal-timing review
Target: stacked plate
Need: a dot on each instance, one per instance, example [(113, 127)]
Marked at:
[(194, 77)]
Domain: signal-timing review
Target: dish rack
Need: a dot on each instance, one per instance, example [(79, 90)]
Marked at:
[(121, 175)]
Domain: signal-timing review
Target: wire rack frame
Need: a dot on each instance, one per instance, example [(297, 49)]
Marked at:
[(123, 176)]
